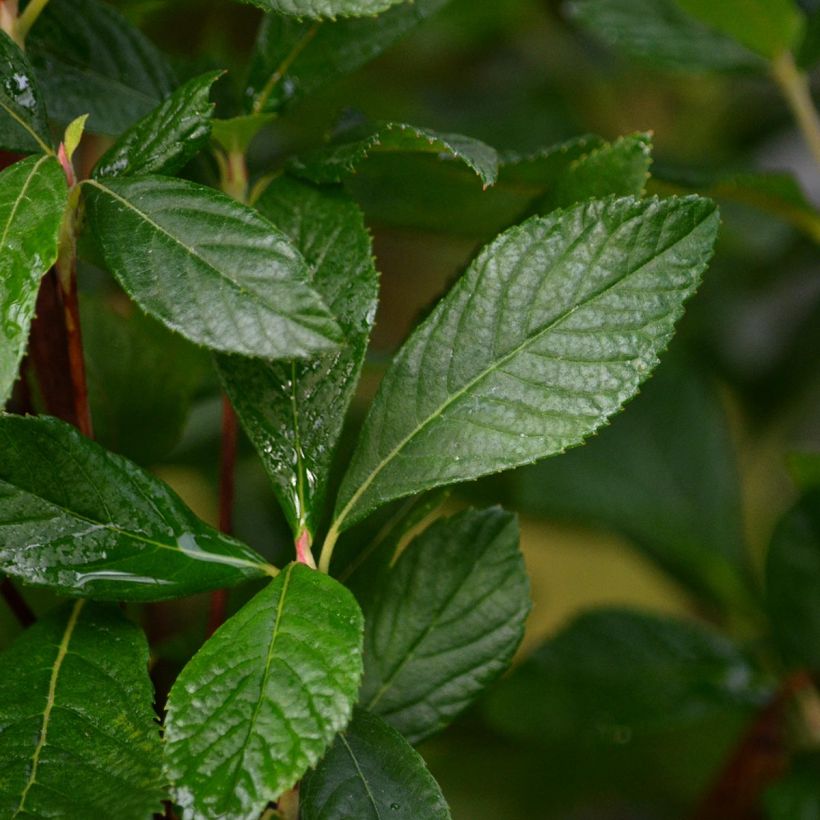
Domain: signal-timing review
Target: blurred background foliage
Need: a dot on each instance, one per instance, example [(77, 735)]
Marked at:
[(668, 512)]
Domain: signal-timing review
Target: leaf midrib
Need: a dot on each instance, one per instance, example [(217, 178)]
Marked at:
[(359, 771), (19, 199), (496, 365), (25, 126)]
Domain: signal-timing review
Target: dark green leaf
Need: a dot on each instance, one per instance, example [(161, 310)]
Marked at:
[(796, 796), (547, 334), (79, 737), (615, 672), (141, 379), (208, 267), (23, 120), (90, 60), (767, 27), (293, 411), (295, 57), (371, 772), (805, 470), (326, 8), (164, 140), (33, 196), (446, 621), (84, 521), (809, 52), (664, 476), (793, 581), (262, 700), (342, 157), (661, 33)]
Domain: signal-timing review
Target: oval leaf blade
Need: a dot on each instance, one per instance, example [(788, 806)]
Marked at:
[(371, 772), (445, 622), (326, 8), (264, 697), (84, 521), (79, 736), (293, 411), (547, 334), (33, 196), (209, 268)]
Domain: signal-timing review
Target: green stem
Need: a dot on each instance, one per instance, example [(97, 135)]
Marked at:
[(28, 18), (795, 87)]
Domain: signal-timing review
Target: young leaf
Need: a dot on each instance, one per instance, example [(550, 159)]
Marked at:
[(616, 670), (661, 33), (446, 621), (209, 268), (295, 57), (326, 8), (262, 700), (767, 27), (79, 736), (664, 476), (141, 380), (371, 772), (33, 196), (792, 581), (293, 411), (84, 521), (341, 158), (164, 140), (23, 120), (547, 334), (90, 60)]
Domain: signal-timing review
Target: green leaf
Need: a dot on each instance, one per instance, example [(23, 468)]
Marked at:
[(551, 329), (371, 772), (446, 621), (617, 672), (804, 469), (809, 51), (141, 380), (73, 135), (237, 133), (293, 411), (664, 476), (83, 521), (796, 796), (262, 700), (90, 60), (767, 27), (33, 197), (792, 581), (325, 8), (23, 120), (295, 57), (661, 33), (79, 736), (342, 158), (163, 141), (208, 267)]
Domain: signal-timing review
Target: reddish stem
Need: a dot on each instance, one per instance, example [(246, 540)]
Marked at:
[(304, 555), (227, 472), (76, 359), (16, 603)]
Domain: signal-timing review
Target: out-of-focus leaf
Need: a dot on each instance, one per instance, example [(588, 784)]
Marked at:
[(371, 772), (79, 736), (445, 622), (325, 8), (797, 795), (33, 196), (805, 470), (793, 581), (83, 521), (90, 60), (262, 700)]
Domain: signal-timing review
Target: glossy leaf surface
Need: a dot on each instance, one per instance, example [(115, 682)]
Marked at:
[(164, 140), (371, 772), (262, 700), (793, 580), (445, 622), (293, 411), (209, 268), (342, 158), (79, 735), (23, 120), (551, 329), (326, 8), (90, 60), (295, 57), (84, 521), (33, 196)]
